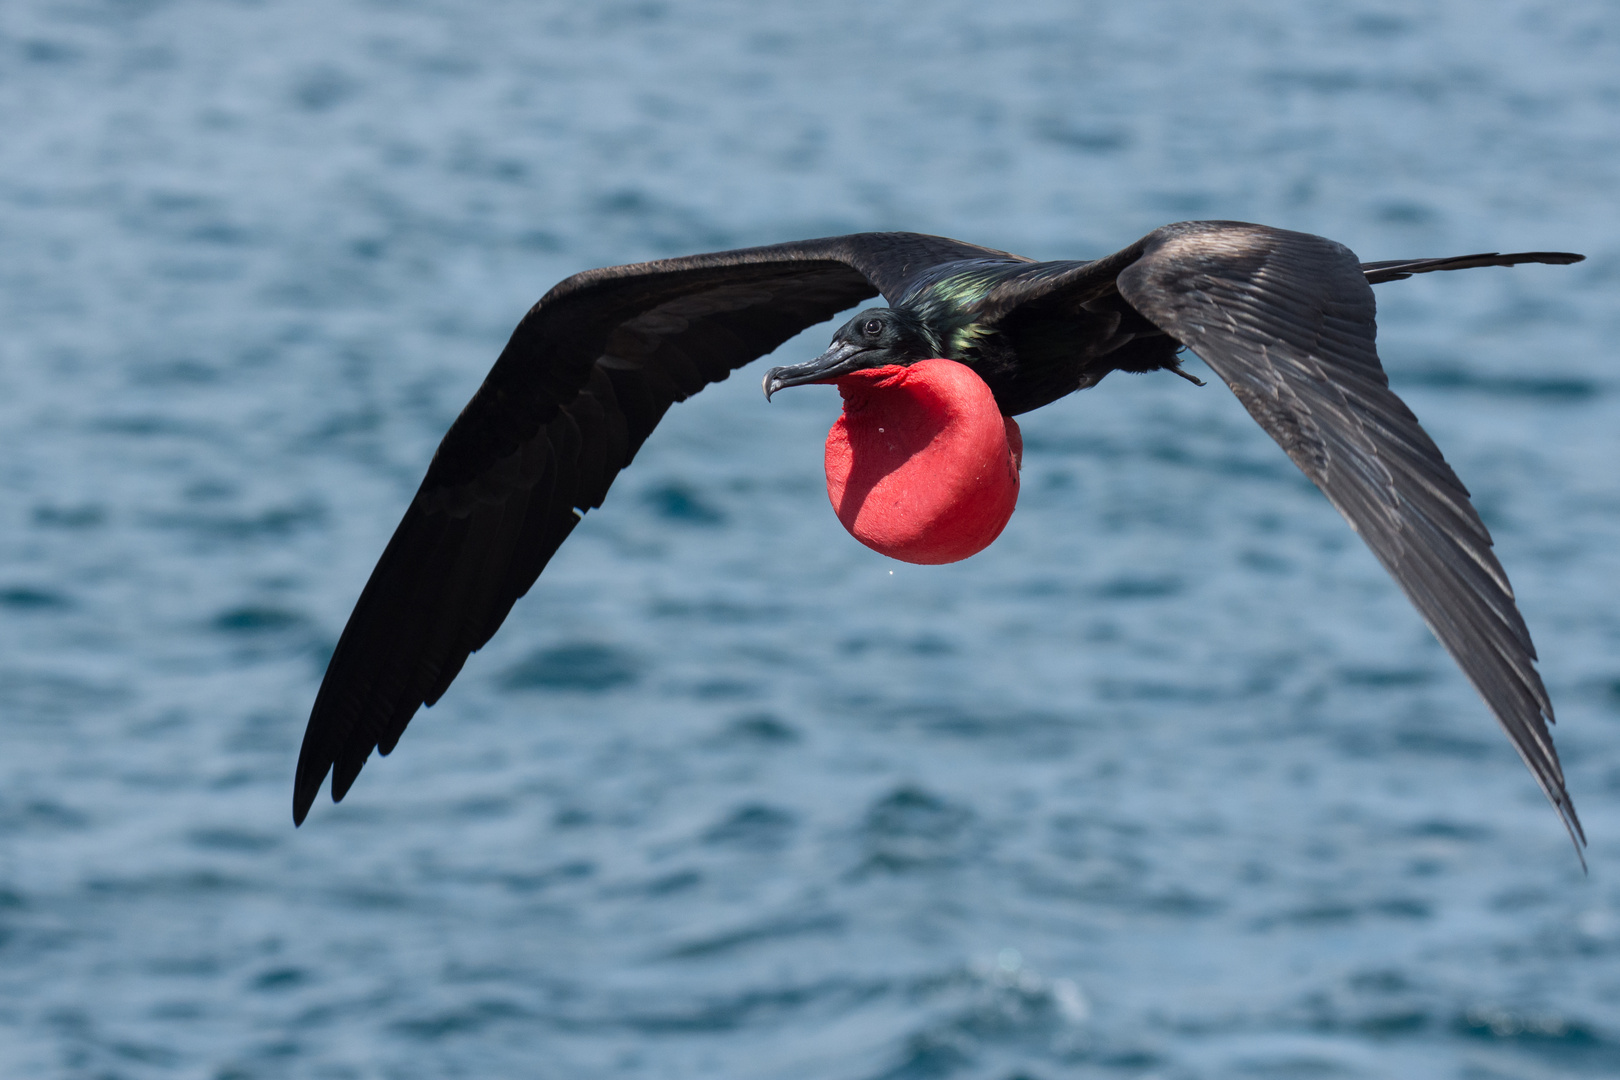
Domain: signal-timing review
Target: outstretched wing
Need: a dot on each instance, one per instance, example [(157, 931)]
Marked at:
[(1286, 319), (583, 381)]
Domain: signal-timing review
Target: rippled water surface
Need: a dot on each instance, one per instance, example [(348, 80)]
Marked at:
[(1170, 782)]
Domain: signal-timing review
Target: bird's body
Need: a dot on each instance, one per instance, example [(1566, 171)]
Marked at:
[(1285, 319)]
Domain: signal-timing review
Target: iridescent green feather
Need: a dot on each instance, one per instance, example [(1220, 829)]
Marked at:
[(951, 302)]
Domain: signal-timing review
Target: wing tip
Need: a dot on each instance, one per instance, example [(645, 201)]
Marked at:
[(307, 782), (1552, 784), (1572, 825), (304, 796)]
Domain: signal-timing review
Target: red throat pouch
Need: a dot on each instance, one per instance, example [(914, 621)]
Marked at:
[(922, 467)]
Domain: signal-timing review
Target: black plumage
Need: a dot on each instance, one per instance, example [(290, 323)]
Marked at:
[(1285, 319)]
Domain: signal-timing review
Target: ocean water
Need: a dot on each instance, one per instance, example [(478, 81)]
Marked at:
[(1168, 783)]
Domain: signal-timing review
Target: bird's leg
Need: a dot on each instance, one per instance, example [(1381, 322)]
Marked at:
[(1175, 369)]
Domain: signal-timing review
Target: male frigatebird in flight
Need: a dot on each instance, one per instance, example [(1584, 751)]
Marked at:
[(1284, 318)]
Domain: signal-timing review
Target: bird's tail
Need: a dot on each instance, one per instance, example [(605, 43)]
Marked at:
[(1396, 269)]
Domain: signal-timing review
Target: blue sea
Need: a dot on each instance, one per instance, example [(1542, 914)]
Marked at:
[(1170, 783)]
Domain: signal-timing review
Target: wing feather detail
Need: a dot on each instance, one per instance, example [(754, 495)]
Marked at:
[(1287, 321)]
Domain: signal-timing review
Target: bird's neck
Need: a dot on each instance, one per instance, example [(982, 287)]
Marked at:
[(953, 331)]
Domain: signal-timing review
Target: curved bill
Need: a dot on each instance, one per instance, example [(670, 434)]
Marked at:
[(841, 359)]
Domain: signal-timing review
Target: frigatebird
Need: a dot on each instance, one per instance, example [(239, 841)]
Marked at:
[(1286, 319)]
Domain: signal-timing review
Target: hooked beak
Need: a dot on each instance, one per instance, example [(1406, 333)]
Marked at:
[(841, 359)]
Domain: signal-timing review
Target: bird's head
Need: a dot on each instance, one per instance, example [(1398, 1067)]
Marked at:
[(877, 337)]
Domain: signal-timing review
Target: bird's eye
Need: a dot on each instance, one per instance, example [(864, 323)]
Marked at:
[(873, 327)]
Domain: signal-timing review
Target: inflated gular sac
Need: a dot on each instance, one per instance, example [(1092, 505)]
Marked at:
[(922, 466)]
